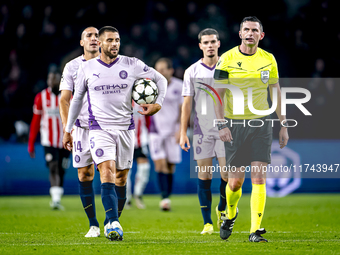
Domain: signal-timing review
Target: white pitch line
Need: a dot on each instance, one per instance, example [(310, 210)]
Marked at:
[(196, 232), (167, 242)]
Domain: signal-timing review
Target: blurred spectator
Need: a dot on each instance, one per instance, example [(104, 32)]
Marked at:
[(34, 35)]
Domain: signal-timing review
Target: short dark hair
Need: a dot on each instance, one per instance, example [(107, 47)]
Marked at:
[(82, 33), (107, 29), (168, 62), (208, 31), (252, 19)]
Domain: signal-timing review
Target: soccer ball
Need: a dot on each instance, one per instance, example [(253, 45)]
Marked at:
[(144, 91)]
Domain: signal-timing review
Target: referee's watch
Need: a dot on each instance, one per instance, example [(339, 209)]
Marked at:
[(283, 125), (221, 125)]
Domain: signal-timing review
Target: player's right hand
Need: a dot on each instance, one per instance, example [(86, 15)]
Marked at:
[(225, 135), (149, 109), (184, 140), (32, 154), (67, 141)]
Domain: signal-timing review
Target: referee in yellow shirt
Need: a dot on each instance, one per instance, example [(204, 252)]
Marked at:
[(248, 67)]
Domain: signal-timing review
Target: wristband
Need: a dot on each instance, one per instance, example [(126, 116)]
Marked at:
[(221, 125)]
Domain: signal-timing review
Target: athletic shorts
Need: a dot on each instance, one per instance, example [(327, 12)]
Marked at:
[(81, 147), (249, 143), (207, 146), (56, 154), (117, 145), (164, 147)]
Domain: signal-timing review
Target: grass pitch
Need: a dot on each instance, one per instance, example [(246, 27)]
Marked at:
[(297, 224)]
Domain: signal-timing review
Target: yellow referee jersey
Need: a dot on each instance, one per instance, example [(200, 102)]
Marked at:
[(255, 71)]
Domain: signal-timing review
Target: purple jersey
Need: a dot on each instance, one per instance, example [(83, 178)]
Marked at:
[(166, 122), (109, 88), (195, 77), (68, 83)]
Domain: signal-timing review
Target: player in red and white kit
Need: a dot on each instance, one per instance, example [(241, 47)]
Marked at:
[(46, 119), (141, 156)]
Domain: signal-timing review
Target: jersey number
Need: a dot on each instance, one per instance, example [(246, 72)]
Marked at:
[(77, 146), (92, 142)]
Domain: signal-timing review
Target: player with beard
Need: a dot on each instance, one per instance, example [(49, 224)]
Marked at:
[(108, 81)]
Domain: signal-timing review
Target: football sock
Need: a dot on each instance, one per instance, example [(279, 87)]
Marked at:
[(142, 178), (170, 178), (257, 204), (121, 195), (56, 193), (223, 200), (61, 176), (87, 197), (163, 185), (232, 200), (204, 197), (110, 201), (128, 187)]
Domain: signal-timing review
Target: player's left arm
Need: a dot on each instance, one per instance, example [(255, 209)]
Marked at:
[(283, 134), (144, 71)]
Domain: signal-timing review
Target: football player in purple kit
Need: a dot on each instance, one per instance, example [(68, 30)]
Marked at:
[(164, 133), (198, 79), (82, 159), (108, 81)]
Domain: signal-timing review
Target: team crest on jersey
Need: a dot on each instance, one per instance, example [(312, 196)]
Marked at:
[(123, 74), (77, 159), (264, 76), (198, 149), (99, 152)]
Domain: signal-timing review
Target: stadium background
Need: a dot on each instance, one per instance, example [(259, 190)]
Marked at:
[(34, 36)]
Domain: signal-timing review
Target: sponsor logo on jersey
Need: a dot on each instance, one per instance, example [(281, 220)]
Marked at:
[(110, 89)]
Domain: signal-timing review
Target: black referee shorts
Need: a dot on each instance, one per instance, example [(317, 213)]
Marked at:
[(249, 143)]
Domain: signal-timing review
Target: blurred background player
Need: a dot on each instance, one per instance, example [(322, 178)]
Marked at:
[(206, 141), (82, 158), (140, 155), (164, 133), (246, 144), (46, 117)]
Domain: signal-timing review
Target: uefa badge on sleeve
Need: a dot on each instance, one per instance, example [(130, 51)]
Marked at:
[(264, 76)]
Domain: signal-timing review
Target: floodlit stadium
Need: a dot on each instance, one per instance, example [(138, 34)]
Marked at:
[(169, 127)]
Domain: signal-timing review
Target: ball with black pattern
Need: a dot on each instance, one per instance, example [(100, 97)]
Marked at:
[(144, 91)]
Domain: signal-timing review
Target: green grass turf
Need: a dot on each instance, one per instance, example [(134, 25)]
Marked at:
[(297, 224)]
